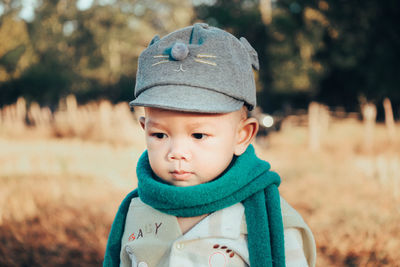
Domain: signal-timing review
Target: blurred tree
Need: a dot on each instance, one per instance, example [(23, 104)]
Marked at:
[(91, 53), (363, 55), (295, 36), (16, 52), (336, 51)]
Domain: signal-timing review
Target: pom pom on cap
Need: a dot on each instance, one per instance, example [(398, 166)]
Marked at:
[(179, 51)]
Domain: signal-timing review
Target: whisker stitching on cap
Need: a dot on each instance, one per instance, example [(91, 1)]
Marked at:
[(205, 62), (203, 55), (164, 61)]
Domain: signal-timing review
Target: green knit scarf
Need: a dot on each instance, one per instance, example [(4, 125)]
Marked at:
[(247, 180)]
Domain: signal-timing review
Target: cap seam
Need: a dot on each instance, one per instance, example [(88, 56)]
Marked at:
[(142, 90)]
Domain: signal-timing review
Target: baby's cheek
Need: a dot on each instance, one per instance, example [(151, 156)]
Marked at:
[(155, 147), (157, 166), (216, 164), (155, 158), (150, 142)]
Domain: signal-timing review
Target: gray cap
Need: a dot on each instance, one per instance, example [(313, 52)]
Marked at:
[(197, 69)]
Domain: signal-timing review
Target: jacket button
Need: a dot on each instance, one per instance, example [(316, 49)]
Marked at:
[(142, 264), (179, 246)]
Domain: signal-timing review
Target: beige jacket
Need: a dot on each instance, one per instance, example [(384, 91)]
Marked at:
[(154, 239)]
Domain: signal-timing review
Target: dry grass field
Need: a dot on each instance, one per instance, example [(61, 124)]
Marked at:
[(63, 175)]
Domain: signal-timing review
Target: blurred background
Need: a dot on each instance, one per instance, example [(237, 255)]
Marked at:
[(328, 96)]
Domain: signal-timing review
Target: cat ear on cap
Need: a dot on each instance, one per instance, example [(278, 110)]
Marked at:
[(252, 53), (154, 40)]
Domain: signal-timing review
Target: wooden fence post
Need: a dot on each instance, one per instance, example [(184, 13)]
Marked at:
[(318, 121), (389, 120), (369, 118)]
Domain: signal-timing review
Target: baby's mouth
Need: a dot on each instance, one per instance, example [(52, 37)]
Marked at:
[(181, 175)]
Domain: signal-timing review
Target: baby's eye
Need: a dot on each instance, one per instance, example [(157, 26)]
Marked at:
[(199, 135), (159, 135)]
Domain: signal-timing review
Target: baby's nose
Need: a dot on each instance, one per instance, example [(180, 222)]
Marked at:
[(179, 152), (176, 155)]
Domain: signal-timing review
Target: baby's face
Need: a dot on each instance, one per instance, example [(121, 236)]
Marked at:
[(187, 149)]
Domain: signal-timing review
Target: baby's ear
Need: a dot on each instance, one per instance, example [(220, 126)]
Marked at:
[(142, 121), (247, 132)]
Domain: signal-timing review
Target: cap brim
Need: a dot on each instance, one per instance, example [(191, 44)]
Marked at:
[(187, 98)]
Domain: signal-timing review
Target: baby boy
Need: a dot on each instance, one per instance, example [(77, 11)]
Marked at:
[(204, 198)]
